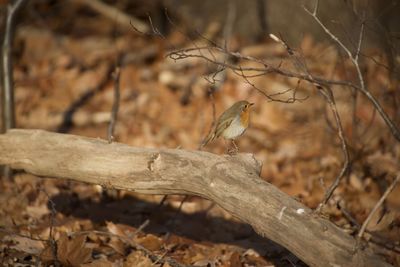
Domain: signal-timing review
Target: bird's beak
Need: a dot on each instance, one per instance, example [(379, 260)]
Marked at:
[(251, 104)]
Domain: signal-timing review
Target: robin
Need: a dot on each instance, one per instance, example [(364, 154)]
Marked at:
[(232, 123)]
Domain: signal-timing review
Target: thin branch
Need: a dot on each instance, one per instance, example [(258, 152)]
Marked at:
[(347, 215), (370, 123), (268, 68), (316, 7), (355, 60), (376, 207), (375, 238), (327, 93), (265, 69), (327, 31), (141, 227), (115, 107), (262, 91), (8, 120), (113, 13), (51, 241), (360, 40), (6, 77)]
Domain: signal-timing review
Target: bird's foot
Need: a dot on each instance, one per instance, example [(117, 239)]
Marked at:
[(233, 150)]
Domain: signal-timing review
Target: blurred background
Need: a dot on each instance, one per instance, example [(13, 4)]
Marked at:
[(180, 65)]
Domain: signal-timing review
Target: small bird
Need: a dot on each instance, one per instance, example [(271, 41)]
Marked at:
[(232, 123)]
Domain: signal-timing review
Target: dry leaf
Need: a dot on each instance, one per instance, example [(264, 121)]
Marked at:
[(100, 263), (384, 222), (37, 211), (117, 245), (235, 260), (72, 251), (138, 259), (151, 242), (24, 244), (120, 229)]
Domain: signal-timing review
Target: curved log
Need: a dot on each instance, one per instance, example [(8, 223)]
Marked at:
[(232, 182)]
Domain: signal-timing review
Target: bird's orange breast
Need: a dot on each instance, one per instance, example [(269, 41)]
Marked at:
[(244, 117)]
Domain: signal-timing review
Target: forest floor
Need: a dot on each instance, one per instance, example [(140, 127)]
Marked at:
[(64, 83)]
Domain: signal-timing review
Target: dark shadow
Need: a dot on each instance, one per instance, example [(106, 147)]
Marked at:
[(67, 122), (165, 219)]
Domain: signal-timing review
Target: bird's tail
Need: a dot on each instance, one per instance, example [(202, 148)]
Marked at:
[(209, 138)]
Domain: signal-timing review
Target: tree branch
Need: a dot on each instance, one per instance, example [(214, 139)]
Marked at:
[(376, 207), (327, 93), (6, 77), (115, 14), (233, 182), (115, 106), (355, 60)]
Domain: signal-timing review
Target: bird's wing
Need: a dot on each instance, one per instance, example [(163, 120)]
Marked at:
[(222, 125), (223, 122), (209, 138)]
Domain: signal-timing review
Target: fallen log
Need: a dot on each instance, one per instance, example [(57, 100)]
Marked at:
[(232, 182)]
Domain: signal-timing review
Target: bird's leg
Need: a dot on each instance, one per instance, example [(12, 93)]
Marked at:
[(234, 150), (227, 147), (236, 147)]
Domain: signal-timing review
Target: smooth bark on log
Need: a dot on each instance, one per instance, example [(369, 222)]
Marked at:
[(232, 182)]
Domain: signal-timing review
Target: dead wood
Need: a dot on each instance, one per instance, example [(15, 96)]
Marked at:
[(232, 182)]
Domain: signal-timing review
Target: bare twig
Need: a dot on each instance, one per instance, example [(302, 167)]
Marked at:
[(315, 11), (360, 40), (7, 79), (370, 123), (355, 60), (140, 228), (375, 238), (115, 107), (354, 124), (113, 13), (267, 68), (327, 93), (347, 215), (376, 207), (51, 241), (270, 97), (324, 85)]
